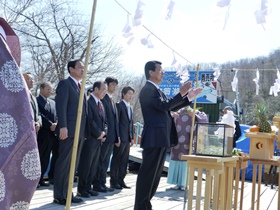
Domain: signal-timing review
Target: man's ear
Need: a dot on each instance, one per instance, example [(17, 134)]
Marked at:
[(150, 73)]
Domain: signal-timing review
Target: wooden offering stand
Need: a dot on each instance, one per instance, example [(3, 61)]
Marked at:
[(261, 145), (221, 169), (261, 153)]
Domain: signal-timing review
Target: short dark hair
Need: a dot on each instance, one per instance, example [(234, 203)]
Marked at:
[(97, 85), (150, 65), (126, 89), (109, 80), (90, 90), (72, 64), (44, 84)]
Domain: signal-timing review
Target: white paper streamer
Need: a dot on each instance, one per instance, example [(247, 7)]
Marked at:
[(275, 88), (256, 80), (174, 60), (138, 14), (216, 73), (261, 14), (183, 74), (170, 9), (234, 82)]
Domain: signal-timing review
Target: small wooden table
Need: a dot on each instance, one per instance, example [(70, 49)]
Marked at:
[(241, 165), (275, 161), (221, 169)]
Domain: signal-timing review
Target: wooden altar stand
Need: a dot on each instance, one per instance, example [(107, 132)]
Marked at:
[(221, 169), (241, 166), (257, 163)]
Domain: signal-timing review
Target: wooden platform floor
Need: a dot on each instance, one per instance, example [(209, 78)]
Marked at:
[(164, 199)]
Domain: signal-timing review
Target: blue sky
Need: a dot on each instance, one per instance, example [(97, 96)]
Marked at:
[(195, 30)]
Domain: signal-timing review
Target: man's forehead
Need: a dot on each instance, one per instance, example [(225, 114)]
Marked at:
[(79, 63), (48, 86), (158, 66)]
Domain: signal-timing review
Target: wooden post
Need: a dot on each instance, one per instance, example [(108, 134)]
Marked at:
[(79, 115), (191, 137), (194, 107)]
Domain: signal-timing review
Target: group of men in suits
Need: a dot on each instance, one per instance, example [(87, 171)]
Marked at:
[(106, 129)]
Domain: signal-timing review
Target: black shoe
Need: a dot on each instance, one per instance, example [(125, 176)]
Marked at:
[(100, 189), (83, 194), (116, 186), (59, 201), (123, 185), (76, 200), (93, 193), (109, 188), (44, 184), (51, 181)]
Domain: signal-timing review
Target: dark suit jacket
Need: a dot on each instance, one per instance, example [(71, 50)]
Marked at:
[(111, 116), (35, 109), (159, 128), (125, 124), (48, 113), (237, 132), (66, 102), (96, 123)]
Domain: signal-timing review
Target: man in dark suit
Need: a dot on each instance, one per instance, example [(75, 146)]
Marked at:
[(159, 131), (46, 136), (99, 183), (120, 157), (97, 134), (29, 79), (67, 101)]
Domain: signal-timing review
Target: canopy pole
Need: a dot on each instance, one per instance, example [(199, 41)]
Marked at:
[(79, 114)]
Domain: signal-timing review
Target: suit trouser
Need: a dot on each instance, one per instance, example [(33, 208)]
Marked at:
[(45, 144), (54, 158), (62, 166), (149, 176), (88, 164), (119, 163), (104, 159)]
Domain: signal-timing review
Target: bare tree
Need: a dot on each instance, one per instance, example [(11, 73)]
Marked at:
[(53, 32), (267, 66), (17, 6)]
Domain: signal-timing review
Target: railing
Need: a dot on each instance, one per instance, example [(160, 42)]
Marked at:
[(138, 130)]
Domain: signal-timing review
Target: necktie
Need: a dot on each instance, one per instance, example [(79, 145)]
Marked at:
[(162, 94), (47, 104), (112, 102), (99, 107), (79, 85), (129, 112)]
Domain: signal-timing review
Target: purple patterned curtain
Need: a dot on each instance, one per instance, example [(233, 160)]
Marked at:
[(19, 157)]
